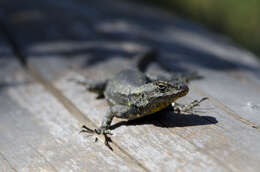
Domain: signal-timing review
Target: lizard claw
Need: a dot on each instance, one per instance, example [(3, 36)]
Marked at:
[(96, 131), (85, 129)]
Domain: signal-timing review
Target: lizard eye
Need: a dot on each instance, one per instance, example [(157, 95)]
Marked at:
[(162, 88)]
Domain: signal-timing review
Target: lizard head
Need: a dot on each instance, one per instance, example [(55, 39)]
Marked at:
[(166, 92), (157, 95), (173, 89)]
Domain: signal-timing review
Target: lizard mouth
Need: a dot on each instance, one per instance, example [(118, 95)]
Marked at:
[(184, 93)]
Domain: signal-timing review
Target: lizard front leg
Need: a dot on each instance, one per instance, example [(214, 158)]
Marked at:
[(187, 108), (103, 129), (116, 110)]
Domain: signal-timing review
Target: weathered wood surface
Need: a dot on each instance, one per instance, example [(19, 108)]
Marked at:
[(41, 118), (36, 137)]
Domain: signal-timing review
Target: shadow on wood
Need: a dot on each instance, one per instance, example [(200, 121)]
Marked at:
[(4, 85), (166, 119)]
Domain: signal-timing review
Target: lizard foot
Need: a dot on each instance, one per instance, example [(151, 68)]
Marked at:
[(178, 108), (99, 131)]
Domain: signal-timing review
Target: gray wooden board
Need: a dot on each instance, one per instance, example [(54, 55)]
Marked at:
[(242, 98), (13, 145), (14, 151), (38, 134), (60, 39), (235, 144), (55, 135), (7, 66)]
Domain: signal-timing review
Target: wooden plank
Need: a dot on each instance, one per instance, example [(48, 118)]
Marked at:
[(15, 153), (234, 143), (195, 148), (44, 137), (241, 101), (58, 138), (16, 150)]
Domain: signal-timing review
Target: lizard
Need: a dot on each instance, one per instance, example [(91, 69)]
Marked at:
[(133, 94)]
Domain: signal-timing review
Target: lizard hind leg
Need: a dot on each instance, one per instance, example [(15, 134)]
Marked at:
[(93, 86)]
